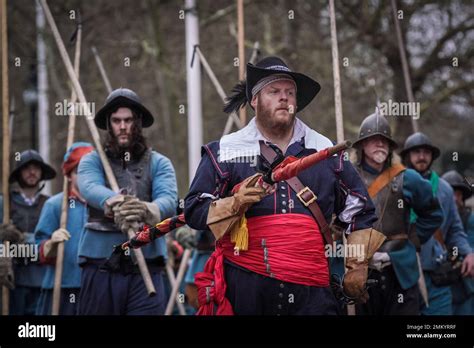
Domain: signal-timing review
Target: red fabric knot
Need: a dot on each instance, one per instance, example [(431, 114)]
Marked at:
[(212, 287)]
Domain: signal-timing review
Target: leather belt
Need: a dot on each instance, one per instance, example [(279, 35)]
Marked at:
[(304, 194)]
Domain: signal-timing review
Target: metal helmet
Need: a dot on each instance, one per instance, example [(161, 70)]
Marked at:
[(122, 97), (375, 124), (32, 156), (457, 182), (418, 140)]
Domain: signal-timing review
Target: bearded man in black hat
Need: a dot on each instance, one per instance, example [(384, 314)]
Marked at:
[(148, 194), (282, 267), (26, 202)]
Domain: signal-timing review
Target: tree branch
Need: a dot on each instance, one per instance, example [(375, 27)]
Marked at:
[(445, 94), (433, 61)]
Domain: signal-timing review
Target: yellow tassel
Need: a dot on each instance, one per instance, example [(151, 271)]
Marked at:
[(240, 235)]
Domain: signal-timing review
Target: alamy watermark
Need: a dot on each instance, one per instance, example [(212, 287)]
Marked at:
[(25, 251), (67, 108), (28, 330), (393, 108), (345, 250), (238, 156)]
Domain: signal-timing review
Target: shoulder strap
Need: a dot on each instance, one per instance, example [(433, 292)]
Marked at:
[(384, 178), (304, 194)]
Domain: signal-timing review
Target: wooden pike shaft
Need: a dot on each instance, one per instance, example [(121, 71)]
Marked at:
[(219, 89), (337, 98), (336, 74), (58, 275), (403, 58), (241, 42), (179, 279), (6, 141), (172, 279), (98, 61)]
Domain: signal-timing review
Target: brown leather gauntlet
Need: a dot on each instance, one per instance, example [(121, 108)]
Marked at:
[(224, 213), (367, 242)]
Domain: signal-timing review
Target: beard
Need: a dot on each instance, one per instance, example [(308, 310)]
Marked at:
[(268, 119), (421, 166), (27, 184), (136, 146)]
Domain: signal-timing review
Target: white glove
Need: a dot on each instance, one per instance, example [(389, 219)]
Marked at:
[(379, 261), (58, 236)]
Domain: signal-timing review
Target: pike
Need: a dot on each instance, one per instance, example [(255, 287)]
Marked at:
[(6, 141), (337, 99), (411, 98), (58, 274)]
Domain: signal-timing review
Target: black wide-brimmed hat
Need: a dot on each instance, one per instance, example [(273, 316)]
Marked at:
[(32, 156), (122, 97), (306, 87)]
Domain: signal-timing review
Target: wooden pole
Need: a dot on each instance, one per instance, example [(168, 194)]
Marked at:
[(96, 138), (241, 43), (98, 61), (172, 279), (337, 99), (336, 75), (179, 279), (403, 58), (42, 115), (6, 143), (58, 275), (233, 116)]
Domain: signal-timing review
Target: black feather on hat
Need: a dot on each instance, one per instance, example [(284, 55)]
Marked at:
[(306, 87), (237, 98)]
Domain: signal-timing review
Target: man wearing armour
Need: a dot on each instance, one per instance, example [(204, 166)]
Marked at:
[(148, 194), (394, 190)]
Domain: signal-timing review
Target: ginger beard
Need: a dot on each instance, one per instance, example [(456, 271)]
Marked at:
[(276, 106), (279, 118)]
